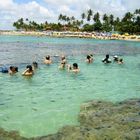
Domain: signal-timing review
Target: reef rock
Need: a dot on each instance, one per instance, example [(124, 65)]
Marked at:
[(98, 120)]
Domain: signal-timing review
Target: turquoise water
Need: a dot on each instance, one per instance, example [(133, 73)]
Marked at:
[(51, 98)]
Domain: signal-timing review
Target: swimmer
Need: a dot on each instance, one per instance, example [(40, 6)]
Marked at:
[(74, 68), (63, 59), (29, 71), (63, 62), (62, 65), (48, 60), (116, 59), (120, 61), (89, 58), (34, 65), (12, 70), (106, 60)]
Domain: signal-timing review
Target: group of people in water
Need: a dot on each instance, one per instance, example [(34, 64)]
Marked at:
[(107, 60), (29, 71)]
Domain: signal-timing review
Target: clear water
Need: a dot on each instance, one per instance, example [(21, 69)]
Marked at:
[(51, 98)]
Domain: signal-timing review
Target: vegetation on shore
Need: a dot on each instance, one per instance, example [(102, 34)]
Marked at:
[(90, 21)]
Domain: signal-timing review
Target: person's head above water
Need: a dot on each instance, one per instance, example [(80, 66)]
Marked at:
[(63, 57), (16, 69), (29, 67), (121, 60), (107, 55), (88, 56), (48, 57), (75, 66), (13, 69), (35, 64)]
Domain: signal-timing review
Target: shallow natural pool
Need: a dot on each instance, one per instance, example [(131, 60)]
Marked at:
[(51, 98)]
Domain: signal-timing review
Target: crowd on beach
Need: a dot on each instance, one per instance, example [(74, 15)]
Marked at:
[(30, 69), (94, 35)]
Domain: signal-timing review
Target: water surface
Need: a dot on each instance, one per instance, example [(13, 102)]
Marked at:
[(51, 98)]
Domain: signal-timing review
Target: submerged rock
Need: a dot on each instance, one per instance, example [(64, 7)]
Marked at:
[(12, 135), (98, 121)]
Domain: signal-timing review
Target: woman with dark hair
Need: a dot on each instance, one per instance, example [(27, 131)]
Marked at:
[(89, 58), (29, 71), (13, 70)]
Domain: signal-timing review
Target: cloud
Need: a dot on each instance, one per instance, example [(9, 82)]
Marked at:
[(10, 12), (40, 11), (118, 7)]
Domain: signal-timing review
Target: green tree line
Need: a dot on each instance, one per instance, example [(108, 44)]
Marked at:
[(90, 21)]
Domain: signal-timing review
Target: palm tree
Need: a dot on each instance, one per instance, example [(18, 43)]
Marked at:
[(64, 18), (89, 14), (117, 19), (16, 25), (105, 18), (96, 17), (111, 17), (83, 16), (60, 17), (128, 17), (137, 11), (72, 18), (27, 19), (67, 19)]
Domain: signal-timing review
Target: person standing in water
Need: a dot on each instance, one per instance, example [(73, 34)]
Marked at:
[(34, 65), (12, 70), (89, 58), (106, 60), (74, 68), (63, 62), (28, 71), (120, 61), (116, 59), (48, 60)]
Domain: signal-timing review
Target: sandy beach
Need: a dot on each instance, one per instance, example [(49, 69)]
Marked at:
[(94, 35)]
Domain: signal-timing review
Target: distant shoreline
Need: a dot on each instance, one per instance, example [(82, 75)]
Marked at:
[(63, 34)]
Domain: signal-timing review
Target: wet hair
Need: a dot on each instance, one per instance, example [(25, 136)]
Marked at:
[(35, 64), (107, 56), (16, 69), (88, 56), (75, 65), (121, 60), (29, 67), (48, 57), (11, 68)]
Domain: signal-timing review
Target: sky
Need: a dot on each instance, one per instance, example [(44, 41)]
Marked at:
[(49, 10)]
